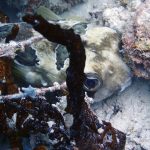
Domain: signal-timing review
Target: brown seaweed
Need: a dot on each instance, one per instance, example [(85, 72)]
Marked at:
[(7, 86)]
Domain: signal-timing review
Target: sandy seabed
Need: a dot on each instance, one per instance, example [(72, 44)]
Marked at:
[(129, 112)]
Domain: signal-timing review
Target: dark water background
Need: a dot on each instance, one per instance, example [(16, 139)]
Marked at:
[(11, 12)]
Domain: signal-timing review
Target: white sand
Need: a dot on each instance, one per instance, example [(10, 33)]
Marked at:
[(130, 113)]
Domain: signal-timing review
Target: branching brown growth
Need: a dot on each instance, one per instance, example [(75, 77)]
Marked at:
[(23, 105), (20, 103), (85, 126), (13, 34)]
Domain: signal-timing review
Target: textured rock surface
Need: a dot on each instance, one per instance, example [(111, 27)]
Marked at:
[(129, 112), (116, 18), (137, 43), (120, 15)]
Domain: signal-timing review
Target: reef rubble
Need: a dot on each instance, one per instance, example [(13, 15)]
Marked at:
[(136, 43)]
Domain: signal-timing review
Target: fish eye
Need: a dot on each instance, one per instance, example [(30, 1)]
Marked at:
[(92, 82), (36, 22)]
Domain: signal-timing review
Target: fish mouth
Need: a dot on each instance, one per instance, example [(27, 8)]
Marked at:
[(92, 82)]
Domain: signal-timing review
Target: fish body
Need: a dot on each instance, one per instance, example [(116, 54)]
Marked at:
[(106, 73)]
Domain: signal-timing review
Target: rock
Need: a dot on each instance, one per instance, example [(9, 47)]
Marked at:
[(116, 18), (5, 29), (137, 44), (25, 31)]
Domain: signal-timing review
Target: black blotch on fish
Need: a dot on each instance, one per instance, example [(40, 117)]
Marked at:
[(27, 58)]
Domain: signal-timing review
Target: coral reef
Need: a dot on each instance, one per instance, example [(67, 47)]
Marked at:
[(136, 42), (117, 18), (22, 32)]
